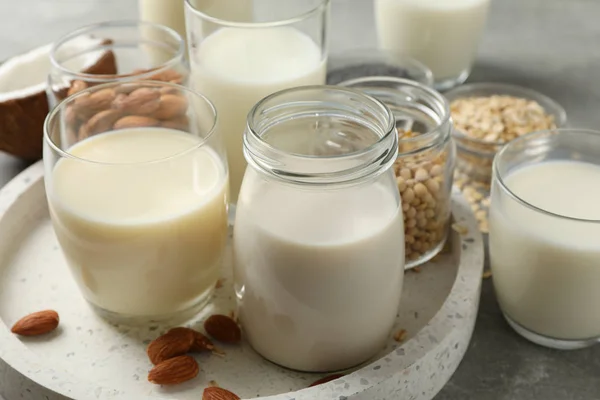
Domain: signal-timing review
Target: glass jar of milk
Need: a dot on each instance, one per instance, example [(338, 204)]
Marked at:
[(318, 234), (545, 236), (425, 164), (238, 61), (442, 34)]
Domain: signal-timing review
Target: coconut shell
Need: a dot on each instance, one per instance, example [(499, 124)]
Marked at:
[(22, 119)]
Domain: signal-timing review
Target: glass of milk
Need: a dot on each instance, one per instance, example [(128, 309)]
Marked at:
[(318, 234), (170, 12), (545, 236), (136, 181), (236, 62), (115, 51), (442, 34)]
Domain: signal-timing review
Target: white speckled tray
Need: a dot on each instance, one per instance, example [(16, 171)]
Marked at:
[(87, 358)]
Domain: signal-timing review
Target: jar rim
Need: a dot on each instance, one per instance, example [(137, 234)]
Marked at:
[(362, 83), (319, 8), (253, 137), (65, 153)]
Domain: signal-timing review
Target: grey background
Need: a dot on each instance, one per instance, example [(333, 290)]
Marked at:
[(549, 45)]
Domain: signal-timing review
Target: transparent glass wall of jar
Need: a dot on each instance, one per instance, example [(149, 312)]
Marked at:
[(138, 202), (237, 62), (425, 164), (115, 51), (318, 231)]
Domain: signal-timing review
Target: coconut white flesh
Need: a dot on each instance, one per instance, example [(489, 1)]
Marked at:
[(27, 73)]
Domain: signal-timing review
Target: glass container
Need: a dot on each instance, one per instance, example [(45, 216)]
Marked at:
[(444, 35), (115, 51), (236, 61), (544, 230), (425, 164), (318, 227), (137, 190)]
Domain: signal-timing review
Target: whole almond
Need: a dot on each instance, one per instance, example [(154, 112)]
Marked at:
[(135, 121), (167, 76), (326, 379), (217, 393), (201, 343), (223, 329), (142, 101), (102, 121), (76, 86), (37, 323), (171, 106), (126, 88), (174, 370), (95, 101), (181, 123), (175, 342)]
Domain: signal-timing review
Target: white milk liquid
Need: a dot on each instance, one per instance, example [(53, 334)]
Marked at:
[(443, 34), (141, 239), (319, 273), (235, 68), (547, 269)]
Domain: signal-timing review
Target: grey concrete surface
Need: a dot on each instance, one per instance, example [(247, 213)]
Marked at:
[(549, 45)]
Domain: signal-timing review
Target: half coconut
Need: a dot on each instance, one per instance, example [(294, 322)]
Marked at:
[(23, 101)]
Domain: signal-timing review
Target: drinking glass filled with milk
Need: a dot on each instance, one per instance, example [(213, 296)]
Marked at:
[(318, 234), (236, 62), (136, 181), (545, 236), (442, 34)]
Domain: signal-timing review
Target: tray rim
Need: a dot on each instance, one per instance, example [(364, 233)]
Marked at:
[(465, 280)]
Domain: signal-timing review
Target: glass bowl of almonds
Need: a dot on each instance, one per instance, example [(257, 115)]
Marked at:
[(486, 116)]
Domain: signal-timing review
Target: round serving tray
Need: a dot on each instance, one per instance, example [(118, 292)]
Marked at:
[(89, 358)]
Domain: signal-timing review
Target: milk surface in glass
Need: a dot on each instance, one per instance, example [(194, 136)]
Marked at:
[(141, 239), (547, 268), (236, 67), (442, 34)]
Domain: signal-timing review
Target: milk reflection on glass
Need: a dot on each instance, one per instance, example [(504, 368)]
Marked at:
[(545, 237), (140, 214), (318, 235), (239, 63), (442, 34)]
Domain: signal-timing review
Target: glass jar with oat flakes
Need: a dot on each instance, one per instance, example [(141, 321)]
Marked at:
[(425, 164)]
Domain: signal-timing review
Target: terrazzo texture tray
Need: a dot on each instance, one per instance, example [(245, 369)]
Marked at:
[(88, 358)]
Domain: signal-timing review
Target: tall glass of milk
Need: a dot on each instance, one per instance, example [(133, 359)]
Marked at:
[(170, 12), (235, 63), (318, 234), (442, 34), (545, 236), (136, 181)]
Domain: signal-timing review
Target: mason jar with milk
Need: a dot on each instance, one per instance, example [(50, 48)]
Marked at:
[(442, 34), (318, 234)]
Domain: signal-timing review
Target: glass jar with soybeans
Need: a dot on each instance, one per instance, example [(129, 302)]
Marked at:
[(425, 164)]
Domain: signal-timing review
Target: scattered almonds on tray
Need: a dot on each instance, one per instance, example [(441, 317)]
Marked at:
[(37, 323), (499, 118), (168, 351), (217, 393)]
